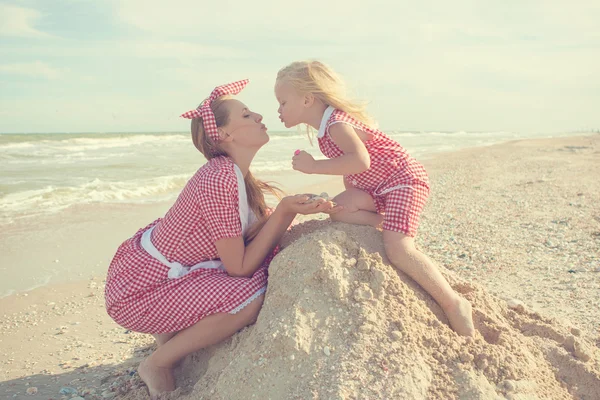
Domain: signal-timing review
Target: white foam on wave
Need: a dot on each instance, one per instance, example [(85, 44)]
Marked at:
[(86, 144), (55, 198), (77, 144), (19, 145)]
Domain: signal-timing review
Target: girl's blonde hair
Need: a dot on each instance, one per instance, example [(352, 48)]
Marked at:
[(320, 80), (255, 188)]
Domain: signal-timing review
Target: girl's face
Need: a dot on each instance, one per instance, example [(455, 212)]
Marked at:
[(245, 127), (291, 104)]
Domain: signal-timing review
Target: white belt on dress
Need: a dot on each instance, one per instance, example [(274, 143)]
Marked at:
[(176, 270)]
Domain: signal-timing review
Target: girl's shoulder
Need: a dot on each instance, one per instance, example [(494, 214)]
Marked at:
[(342, 116), (339, 116)]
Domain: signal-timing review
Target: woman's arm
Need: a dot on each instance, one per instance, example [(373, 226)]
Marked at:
[(243, 261)]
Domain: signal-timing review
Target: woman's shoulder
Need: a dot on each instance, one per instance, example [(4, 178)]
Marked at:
[(218, 172), (221, 165)]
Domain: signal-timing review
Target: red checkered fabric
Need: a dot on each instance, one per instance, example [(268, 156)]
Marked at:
[(140, 296), (401, 208), (391, 166), (208, 118)]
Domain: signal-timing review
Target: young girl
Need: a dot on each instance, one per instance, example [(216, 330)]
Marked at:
[(198, 275), (385, 186)]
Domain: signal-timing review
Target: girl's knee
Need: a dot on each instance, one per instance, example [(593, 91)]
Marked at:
[(355, 199), (397, 255), (345, 201), (399, 251)]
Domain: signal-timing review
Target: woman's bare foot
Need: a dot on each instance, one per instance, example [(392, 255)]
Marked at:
[(460, 315), (158, 379), (162, 338)]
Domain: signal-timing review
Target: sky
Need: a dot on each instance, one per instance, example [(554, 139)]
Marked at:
[(136, 65)]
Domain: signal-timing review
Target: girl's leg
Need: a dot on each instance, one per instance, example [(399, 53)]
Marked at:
[(402, 252), (358, 208), (157, 370)]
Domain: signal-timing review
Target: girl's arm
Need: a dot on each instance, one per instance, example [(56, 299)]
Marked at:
[(243, 261), (347, 184), (354, 161)]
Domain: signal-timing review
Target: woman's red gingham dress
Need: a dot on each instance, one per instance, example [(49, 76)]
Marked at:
[(391, 166), (140, 296)]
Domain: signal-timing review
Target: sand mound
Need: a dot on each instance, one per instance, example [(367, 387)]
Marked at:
[(338, 322)]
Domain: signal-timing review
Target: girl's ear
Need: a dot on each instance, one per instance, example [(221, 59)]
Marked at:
[(309, 99)]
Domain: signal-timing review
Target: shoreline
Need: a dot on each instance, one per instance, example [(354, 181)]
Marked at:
[(520, 218)]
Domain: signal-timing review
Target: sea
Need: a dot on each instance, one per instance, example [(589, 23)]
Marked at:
[(46, 173)]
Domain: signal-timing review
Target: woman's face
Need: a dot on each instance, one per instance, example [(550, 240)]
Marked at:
[(244, 127)]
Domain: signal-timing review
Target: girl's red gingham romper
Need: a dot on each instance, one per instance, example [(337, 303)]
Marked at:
[(140, 296), (397, 183)]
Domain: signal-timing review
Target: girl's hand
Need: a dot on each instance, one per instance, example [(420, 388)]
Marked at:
[(303, 162), (300, 204)]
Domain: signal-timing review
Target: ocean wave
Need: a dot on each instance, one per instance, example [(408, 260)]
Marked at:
[(38, 158), (287, 137), (259, 166), (86, 144), (55, 198), (78, 144), (18, 145)]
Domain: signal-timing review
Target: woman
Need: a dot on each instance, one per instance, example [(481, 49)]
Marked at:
[(198, 275)]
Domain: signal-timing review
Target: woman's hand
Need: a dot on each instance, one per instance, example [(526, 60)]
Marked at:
[(302, 204)]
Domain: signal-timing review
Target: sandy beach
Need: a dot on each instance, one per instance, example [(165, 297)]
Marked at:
[(515, 227)]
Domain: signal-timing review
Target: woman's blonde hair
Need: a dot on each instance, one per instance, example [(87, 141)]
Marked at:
[(255, 188), (320, 80)]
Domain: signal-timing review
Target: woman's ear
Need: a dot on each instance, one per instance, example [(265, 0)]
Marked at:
[(224, 136)]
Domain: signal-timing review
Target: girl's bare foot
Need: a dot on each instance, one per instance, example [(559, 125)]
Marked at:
[(158, 379), (460, 315)]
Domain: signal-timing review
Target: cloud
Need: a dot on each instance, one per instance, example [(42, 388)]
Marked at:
[(357, 21), (228, 20), (36, 69), (464, 64), (19, 22), (178, 50)]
